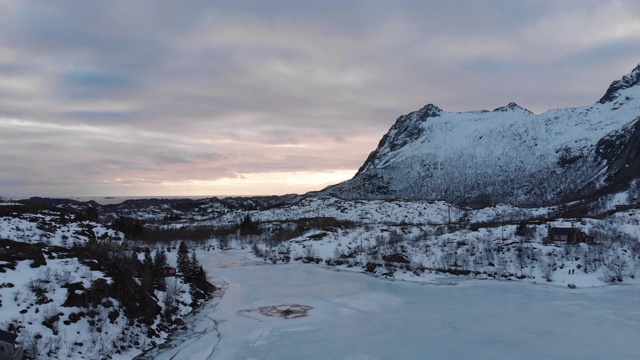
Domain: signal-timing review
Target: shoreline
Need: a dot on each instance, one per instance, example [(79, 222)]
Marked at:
[(173, 345)]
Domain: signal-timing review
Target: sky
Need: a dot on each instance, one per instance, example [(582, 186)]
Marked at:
[(197, 98)]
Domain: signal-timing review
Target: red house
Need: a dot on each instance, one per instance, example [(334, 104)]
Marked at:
[(168, 271)]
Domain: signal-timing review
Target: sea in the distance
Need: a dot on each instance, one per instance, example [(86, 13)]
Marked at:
[(109, 200)]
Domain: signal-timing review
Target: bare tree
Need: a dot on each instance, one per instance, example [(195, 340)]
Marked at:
[(547, 267), (502, 265), (521, 259), (589, 261), (223, 242), (446, 259), (488, 254), (31, 341), (633, 267), (170, 295), (464, 259), (616, 266)]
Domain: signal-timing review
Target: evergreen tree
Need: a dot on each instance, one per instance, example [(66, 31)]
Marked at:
[(201, 280), (200, 287), (146, 276), (194, 265), (132, 228), (160, 259), (159, 262), (183, 259), (521, 230), (147, 263), (249, 227)]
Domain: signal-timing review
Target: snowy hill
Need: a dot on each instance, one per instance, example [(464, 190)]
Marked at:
[(488, 243), (508, 155), (71, 287)]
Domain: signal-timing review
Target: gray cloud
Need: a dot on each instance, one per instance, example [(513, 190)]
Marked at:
[(156, 97)]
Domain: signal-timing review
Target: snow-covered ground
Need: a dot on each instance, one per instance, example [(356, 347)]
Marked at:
[(48, 229), (423, 312), (355, 316)]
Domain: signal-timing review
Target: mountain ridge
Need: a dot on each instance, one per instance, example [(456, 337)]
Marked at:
[(508, 155)]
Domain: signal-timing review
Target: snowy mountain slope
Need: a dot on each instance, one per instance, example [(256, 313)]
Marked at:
[(506, 155)]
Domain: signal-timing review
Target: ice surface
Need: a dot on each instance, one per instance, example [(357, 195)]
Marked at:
[(355, 316)]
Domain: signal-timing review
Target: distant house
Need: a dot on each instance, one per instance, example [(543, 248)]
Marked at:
[(570, 236), (168, 271), (9, 349)]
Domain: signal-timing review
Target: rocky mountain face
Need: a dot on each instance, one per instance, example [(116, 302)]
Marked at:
[(508, 155)]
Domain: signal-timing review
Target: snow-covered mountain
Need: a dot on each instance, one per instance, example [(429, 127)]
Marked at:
[(508, 155)]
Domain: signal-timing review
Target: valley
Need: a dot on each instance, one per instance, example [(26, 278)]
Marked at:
[(422, 244)]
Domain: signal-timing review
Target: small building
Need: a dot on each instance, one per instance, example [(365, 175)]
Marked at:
[(570, 236), (168, 271), (9, 349)]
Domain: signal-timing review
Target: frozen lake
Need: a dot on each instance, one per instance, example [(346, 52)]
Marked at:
[(354, 316)]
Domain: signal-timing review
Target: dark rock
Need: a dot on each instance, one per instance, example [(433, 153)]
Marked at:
[(371, 267), (626, 82), (396, 258)]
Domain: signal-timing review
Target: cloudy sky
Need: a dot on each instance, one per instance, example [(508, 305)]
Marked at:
[(241, 97)]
